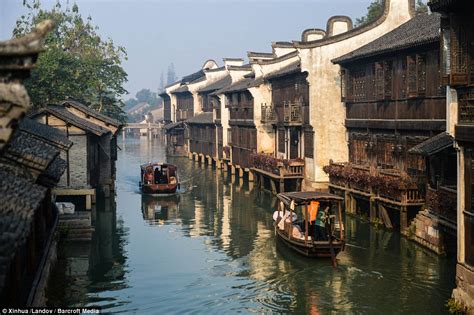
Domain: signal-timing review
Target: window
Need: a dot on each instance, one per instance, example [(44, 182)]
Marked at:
[(379, 81), (411, 76), (387, 79), (308, 143), (281, 140), (416, 74)]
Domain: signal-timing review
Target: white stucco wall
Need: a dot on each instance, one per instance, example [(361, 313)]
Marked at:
[(327, 113)]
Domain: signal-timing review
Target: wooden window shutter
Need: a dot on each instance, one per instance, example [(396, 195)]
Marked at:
[(411, 77), (459, 54), (388, 79), (281, 140), (308, 143), (421, 74), (379, 81), (349, 95)]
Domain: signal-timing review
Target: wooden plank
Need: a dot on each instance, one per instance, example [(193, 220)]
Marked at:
[(385, 217)]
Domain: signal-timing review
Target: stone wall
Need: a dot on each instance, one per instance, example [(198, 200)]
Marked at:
[(427, 232), (78, 168), (464, 292)]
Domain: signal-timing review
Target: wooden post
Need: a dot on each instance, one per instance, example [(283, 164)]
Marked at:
[(282, 185), (403, 220), (88, 202), (232, 169), (241, 172), (347, 201), (251, 176), (341, 223), (306, 223), (373, 209), (273, 186)]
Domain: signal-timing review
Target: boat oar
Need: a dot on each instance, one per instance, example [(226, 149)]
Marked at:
[(331, 248)]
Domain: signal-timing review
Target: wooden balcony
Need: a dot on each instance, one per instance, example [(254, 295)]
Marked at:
[(268, 114), (279, 173), (442, 202), (386, 185)]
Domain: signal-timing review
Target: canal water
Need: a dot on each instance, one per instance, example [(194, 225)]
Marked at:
[(211, 249)]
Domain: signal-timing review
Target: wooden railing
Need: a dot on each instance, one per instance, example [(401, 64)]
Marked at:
[(278, 167), (442, 201), (268, 114), (387, 184)]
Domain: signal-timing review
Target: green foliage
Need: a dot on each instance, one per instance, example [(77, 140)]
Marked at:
[(374, 10), (376, 7), (455, 307), (77, 63)]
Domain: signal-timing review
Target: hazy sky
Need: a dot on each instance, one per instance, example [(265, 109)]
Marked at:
[(188, 32)]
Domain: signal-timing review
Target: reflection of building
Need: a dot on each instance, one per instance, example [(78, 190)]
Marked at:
[(156, 209)]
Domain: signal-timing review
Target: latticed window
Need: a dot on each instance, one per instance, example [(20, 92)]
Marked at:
[(309, 143), (387, 79), (281, 140), (358, 151), (379, 81), (421, 74), (411, 76), (359, 85)]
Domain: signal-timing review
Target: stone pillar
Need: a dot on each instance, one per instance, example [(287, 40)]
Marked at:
[(241, 172), (403, 220), (251, 176)]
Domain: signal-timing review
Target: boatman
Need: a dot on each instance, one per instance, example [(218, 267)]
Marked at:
[(319, 225)]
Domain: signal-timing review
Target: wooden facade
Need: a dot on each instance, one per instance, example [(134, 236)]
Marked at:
[(457, 71), (166, 108), (184, 106), (290, 99), (394, 101), (242, 134)]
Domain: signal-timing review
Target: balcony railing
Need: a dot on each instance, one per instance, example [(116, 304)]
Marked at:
[(442, 201), (466, 111), (268, 114), (293, 112), (386, 184), (278, 167)]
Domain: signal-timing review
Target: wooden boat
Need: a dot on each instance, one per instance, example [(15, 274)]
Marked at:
[(308, 243), (158, 178)]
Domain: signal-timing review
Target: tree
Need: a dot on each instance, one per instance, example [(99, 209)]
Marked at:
[(171, 75), (161, 88), (376, 7), (77, 63)]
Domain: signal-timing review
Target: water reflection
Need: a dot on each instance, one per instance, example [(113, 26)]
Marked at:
[(211, 248), (159, 209)]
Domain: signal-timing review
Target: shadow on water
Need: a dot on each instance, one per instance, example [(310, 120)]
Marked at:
[(211, 248)]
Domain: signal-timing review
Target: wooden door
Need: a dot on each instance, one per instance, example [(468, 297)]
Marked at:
[(294, 143)]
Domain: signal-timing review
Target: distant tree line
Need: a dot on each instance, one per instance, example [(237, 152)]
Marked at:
[(77, 63), (376, 7)]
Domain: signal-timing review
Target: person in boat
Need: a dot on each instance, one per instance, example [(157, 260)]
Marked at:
[(148, 177), (157, 174), (320, 233)]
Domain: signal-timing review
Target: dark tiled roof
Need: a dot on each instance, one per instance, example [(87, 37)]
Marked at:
[(19, 198), (260, 54), (193, 77), (55, 170), (217, 85), (163, 94), (181, 89), (45, 133), (246, 67), (294, 67), (30, 152), (433, 145), (420, 30), (216, 69), (202, 118), (88, 111), (63, 114), (241, 85), (174, 125)]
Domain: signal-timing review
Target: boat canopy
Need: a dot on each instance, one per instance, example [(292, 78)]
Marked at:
[(303, 197), (153, 164)]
